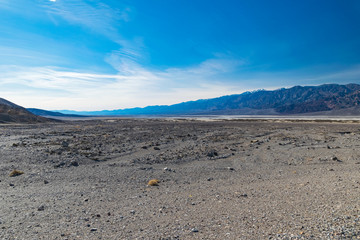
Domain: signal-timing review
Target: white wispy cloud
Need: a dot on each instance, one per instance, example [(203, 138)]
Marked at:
[(96, 16), (57, 88), (132, 86)]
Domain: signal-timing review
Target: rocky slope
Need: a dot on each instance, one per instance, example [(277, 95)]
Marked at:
[(12, 113)]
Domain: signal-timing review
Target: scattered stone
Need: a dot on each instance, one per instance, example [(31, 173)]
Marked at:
[(210, 179), (336, 159), (65, 144), (41, 208), (212, 153), (46, 181), (132, 211), (11, 184), (74, 163), (93, 229), (59, 165), (230, 168), (15, 173), (194, 230), (168, 169), (331, 170), (156, 148)]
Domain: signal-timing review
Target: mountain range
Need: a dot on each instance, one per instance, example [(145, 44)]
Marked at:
[(328, 99), (325, 99)]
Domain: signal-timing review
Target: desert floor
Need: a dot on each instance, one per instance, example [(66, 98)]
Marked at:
[(241, 179)]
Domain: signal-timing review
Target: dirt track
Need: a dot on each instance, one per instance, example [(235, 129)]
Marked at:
[(218, 180)]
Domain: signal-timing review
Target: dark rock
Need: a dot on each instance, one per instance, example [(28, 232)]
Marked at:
[(41, 208), (212, 153), (59, 165), (74, 163)]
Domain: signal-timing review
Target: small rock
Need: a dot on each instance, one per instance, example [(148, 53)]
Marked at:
[(46, 181), (41, 208), (59, 165), (168, 169), (156, 148), (210, 179), (93, 229), (230, 168), (11, 184), (194, 230), (132, 211), (212, 153), (331, 170), (74, 163), (65, 144)]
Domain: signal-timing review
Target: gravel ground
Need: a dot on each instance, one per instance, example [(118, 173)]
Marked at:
[(241, 179)]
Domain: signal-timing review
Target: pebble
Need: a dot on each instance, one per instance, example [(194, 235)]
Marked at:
[(194, 230), (93, 229), (74, 163), (41, 208)]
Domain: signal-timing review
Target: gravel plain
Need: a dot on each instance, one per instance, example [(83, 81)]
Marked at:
[(238, 179)]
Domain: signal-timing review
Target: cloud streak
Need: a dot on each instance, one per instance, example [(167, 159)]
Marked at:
[(138, 87), (133, 87)]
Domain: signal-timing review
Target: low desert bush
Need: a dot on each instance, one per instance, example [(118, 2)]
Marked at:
[(15, 173), (153, 182)]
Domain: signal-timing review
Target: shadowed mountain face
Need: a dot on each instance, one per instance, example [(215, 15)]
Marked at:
[(326, 99), (12, 113)]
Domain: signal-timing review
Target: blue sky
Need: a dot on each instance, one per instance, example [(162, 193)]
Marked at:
[(93, 55)]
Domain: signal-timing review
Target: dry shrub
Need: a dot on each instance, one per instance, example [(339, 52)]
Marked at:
[(15, 173), (153, 182)]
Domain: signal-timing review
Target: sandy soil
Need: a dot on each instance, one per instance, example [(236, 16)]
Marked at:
[(258, 179)]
